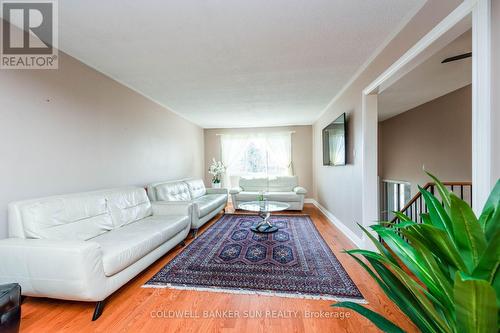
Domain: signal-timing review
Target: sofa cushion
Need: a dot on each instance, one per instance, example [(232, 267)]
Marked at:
[(128, 205), (284, 196), (174, 191), (253, 184), (247, 196), (196, 188), (208, 203), (282, 183), (123, 246), (72, 217), (300, 190), (271, 184), (272, 196)]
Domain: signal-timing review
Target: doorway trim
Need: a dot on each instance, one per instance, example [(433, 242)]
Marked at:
[(481, 105)]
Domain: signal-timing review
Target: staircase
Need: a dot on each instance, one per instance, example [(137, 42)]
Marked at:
[(416, 205)]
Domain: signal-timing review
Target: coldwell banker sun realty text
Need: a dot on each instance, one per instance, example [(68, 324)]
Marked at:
[(29, 35)]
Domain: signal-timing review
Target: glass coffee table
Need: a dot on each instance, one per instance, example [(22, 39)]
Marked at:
[(264, 208)]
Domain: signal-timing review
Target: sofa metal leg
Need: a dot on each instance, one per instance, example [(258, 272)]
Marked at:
[(194, 232), (98, 310)]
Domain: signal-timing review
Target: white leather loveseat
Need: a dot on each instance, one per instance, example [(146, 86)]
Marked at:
[(85, 246), (207, 202), (283, 189)]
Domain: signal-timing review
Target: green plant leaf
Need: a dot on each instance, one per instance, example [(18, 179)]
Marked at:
[(438, 216), (401, 216), (406, 301), (490, 217), (490, 260), (426, 218), (496, 286), (443, 191), (469, 236), (399, 295), (379, 321), (438, 242), (454, 257), (437, 280), (426, 299), (475, 305), (419, 261), (447, 256), (401, 248), (379, 246), (398, 225)]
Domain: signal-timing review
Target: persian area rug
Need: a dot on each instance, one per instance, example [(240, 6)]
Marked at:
[(295, 261)]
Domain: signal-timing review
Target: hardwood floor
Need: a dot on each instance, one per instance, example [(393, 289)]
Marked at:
[(136, 309)]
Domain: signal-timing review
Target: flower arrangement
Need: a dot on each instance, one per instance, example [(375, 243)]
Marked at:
[(216, 169)]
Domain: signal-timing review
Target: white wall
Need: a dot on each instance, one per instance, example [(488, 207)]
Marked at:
[(495, 75), (74, 129), (338, 189), (418, 137)]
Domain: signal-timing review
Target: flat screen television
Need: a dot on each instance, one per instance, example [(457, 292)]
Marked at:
[(334, 142)]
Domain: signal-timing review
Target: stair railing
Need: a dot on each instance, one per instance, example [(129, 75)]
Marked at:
[(416, 205)]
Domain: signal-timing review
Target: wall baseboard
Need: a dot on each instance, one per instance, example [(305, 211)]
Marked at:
[(337, 223)]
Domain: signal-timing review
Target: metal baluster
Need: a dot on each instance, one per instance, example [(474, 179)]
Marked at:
[(420, 202), (471, 201), (398, 196)]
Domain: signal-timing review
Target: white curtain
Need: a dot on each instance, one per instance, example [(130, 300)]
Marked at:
[(257, 154), (232, 149), (337, 149), (279, 146)]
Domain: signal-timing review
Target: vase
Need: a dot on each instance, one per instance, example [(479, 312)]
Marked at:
[(216, 185)]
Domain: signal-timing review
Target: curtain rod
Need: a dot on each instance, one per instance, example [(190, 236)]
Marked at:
[(219, 134)]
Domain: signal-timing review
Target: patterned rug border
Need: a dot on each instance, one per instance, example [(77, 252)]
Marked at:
[(217, 289), (253, 292)]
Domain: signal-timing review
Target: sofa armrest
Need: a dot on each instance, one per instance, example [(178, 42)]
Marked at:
[(235, 190), (172, 207), (217, 190), (54, 268), (300, 190)]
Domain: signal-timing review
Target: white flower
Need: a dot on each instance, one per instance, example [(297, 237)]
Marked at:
[(216, 169)]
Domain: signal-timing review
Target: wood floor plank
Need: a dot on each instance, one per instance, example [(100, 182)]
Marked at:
[(136, 309)]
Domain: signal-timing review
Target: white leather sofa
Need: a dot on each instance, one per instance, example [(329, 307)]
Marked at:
[(85, 246), (207, 202), (282, 189)]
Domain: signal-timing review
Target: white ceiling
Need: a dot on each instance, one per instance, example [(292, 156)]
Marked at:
[(429, 80), (238, 63)]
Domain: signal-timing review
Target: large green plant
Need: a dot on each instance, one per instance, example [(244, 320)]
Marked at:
[(453, 257)]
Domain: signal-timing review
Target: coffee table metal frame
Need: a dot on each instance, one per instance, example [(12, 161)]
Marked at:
[(264, 209)]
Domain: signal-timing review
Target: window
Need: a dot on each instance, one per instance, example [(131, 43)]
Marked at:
[(257, 155), (253, 161), (394, 196)]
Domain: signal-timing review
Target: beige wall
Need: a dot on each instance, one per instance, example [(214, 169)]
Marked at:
[(338, 189), (74, 129), (418, 138), (301, 149)]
